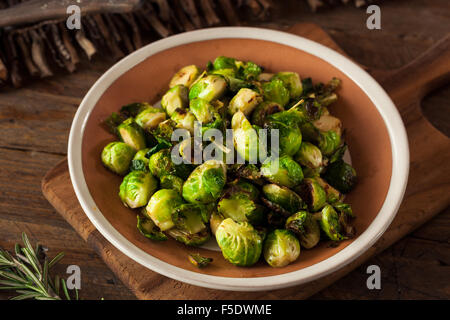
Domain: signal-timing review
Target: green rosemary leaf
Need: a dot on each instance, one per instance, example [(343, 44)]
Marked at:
[(56, 259), (66, 293), (57, 282)]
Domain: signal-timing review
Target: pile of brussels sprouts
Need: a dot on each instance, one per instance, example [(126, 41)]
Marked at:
[(250, 209)]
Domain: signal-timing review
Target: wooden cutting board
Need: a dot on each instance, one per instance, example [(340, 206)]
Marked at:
[(427, 194)]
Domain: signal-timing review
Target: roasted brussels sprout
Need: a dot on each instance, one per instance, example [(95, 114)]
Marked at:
[(309, 155), (140, 161), (327, 123), (240, 243), (275, 91), (284, 197), (150, 118), (283, 171), (184, 119), (199, 261), (188, 217), (205, 183), (175, 99), (208, 88), (185, 76), (172, 182), (131, 133), (290, 136), (329, 142), (161, 206), (263, 110), (333, 195), (329, 222), (341, 176), (222, 62), (265, 76), (202, 109), (136, 189), (195, 239), (305, 227), (148, 229), (281, 248), (239, 204), (117, 156), (250, 172), (245, 101), (312, 193), (214, 221), (246, 139), (292, 82), (161, 164), (163, 132), (250, 71)]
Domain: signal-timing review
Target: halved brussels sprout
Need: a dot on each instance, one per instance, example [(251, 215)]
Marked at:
[(329, 222), (312, 193), (140, 161), (172, 182), (208, 88), (202, 109), (283, 171), (195, 240), (214, 221), (263, 110), (205, 183), (148, 229), (245, 100), (136, 189), (246, 139), (131, 133), (240, 206), (281, 248), (309, 155), (341, 176), (284, 197), (161, 206), (117, 156), (175, 99), (327, 122), (161, 164), (188, 217), (345, 215), (184, 119), (333, 195), (292, 82), (246, 187), (163, 132), (150, 118), (275, 91), (290, 136), (305, 227), (240, 243), (199, 261), (185, 76)]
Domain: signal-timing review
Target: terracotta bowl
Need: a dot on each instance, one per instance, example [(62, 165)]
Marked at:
[(375, 134)]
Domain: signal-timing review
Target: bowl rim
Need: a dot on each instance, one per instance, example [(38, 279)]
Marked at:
[(380, 99)]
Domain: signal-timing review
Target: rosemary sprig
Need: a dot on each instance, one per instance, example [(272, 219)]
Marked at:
[(27, 273)]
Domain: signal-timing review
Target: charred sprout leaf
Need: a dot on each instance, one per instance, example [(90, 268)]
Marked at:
[(240, 243), (307, 86), (148, 229), (189, 239), (249, 172), (330, 224), (305, 227), (281, 248), (117, 157), (284, 197), (263, 110), (160, 146), (313, 194), (338, 154), (199, 261), (132, 134), (283, 171), (341, 176), (136, 189), (161, 206), (140, 162), (275, 91), (185, 76), (344, 208), (112, 122)]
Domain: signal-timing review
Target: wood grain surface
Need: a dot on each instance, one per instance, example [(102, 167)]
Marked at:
[(35, 121)]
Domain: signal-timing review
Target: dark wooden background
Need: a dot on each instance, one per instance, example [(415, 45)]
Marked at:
[(35, 123)]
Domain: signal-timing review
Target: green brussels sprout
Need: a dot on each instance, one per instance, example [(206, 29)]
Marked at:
[(309, 155), (286, 172), (240, 205), (284, 197), (246, 139), (150, 118), (344, 208), (132, 134), (329, 222), (312, 193), (281, 248), (148, 229), (208, 88), (140, 161), (275, 91), (172, 182), (161, 206), (184, 120), (205, 183), (240, 243), (245, 100), (341, 176), (136, 189), (250, 172), (290, 136), (163, 132), (222, 62), (202, 109), (185, 76), (188, 217), (263, 110), (329, 142), (250, 71), (292, 82), (246, 187), (117, 156), (161, 164), (328, 123), (333, 195), (214, 221), (195, 240), (265, 77), (345, 215), (133, 109), (305, 227), (199, 261), (175, 99)]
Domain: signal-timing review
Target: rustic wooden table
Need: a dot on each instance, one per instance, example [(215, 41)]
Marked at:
[(35, 122)]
